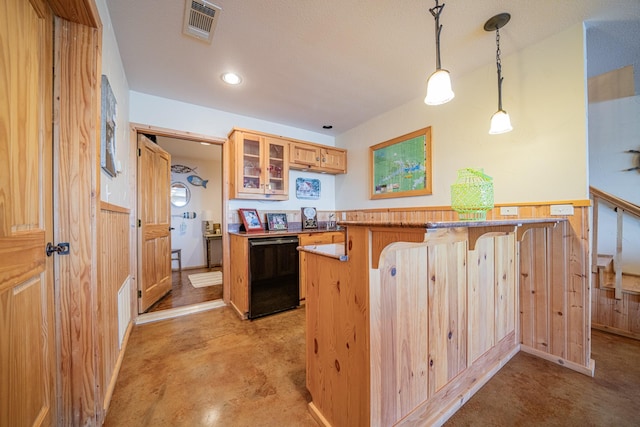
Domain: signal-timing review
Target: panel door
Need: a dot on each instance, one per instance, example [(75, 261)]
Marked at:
[(154, 214), (334, 160), (304, 155), (26, 273)]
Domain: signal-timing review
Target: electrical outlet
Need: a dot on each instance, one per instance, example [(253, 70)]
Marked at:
[(508, 210), (561, 209)]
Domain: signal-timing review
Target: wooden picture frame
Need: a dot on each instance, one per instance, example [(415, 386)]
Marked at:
[(401, 167), (277, 221), (250, 219)]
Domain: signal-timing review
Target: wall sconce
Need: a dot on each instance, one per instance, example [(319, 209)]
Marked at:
[(439, 83), (500, 121)]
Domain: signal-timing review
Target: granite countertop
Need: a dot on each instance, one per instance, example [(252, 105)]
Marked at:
[(453, 224), (266, 233)]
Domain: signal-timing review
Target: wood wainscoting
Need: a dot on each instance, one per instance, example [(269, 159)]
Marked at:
[(553, 277), (113, 274)]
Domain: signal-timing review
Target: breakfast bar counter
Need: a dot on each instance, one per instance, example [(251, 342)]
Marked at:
[(407, 324)]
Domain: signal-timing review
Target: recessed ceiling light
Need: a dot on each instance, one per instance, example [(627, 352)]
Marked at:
[(231, 78)]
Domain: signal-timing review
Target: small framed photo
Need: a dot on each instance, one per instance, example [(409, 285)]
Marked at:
[(277, 221), (309, 218), (250, 219)]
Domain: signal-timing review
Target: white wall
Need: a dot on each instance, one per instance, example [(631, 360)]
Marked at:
[(613, 129), (187, 233), (117, 190), (167, 113), (543, 159)]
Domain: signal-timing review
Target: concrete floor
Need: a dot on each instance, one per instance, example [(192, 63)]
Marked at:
[(211, 369)]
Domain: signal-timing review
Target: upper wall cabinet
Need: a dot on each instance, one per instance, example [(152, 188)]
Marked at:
[(318, 158), (259, 166)]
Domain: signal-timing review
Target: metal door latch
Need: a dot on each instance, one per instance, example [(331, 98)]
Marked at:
[(60, 248)]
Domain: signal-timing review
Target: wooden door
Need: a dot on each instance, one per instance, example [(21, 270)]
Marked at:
[(26, 276), (154, 216)]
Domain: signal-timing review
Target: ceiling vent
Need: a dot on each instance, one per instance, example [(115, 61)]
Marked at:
[(200, 19)]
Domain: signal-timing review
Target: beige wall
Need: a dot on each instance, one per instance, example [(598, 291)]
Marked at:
[(543, 159)]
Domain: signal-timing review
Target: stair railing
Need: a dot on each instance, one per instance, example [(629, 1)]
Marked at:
[(621, 207)]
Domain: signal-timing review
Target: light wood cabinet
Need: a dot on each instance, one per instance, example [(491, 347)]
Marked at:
[(318, 238), (317, 158), (260, 166), (307, 239), (239, 286)]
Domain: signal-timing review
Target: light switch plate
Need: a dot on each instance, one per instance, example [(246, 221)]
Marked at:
[(561, 209), (508, 210)]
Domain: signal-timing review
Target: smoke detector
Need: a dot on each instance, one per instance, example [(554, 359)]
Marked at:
[(200, 19)]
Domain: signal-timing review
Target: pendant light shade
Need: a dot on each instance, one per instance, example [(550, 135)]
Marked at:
[(439, 88), (500, 121), (439, 83)]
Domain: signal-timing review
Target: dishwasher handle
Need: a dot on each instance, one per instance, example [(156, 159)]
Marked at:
[(279, 241)]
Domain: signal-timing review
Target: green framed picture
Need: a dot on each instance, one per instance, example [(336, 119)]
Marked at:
[(401, 167)]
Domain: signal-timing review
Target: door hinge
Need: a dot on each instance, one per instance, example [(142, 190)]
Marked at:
[(139, 223), (60, 249), (139, 152), (139, 293)]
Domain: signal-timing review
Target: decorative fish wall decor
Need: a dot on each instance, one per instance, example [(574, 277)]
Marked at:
[(182, 169), (196, 180)]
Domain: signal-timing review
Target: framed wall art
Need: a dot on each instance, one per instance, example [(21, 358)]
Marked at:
[(108, 129), (307, 188), (277, 221), (401, 167), (250, 219)]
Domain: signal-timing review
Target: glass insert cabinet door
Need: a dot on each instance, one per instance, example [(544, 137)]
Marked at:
[(276, 168), (252, 155), (264, 165)]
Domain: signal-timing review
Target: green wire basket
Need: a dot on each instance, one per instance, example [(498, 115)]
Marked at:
[(472, 194)]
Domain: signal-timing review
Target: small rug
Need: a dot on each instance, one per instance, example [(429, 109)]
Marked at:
[(202, 280)]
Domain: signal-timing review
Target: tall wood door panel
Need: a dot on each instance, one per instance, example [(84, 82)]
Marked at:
[(26, 273), (154, 215)]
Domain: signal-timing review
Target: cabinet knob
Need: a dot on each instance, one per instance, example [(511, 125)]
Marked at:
[(317, 159)]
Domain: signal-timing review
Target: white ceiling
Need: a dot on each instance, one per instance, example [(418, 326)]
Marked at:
[(309, 63), (190, 149)]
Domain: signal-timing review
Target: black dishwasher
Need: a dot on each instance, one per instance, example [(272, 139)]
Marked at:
[(273, 275)]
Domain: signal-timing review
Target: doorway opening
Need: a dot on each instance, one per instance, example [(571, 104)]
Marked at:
[(196, 224)]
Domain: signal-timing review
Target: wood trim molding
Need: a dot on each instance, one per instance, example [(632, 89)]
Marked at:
[(84, 12), (104, 206), (586, 370), (172, 133)]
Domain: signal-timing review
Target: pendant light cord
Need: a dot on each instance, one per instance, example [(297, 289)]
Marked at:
[(499, 66), (436, 11)]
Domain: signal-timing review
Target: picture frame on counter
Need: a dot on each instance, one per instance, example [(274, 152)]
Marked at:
[(277, 221), (309, 218), (401, 167), (250, 219)]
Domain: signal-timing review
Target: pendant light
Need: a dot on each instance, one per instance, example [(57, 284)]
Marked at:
[(439, 83), (500, 121)]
